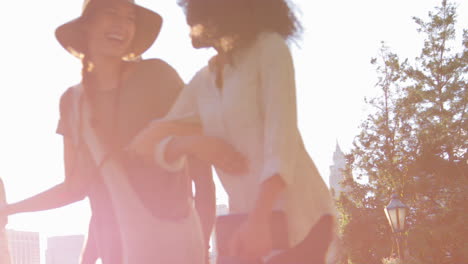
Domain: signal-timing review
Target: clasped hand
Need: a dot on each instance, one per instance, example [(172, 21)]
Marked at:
[(143, 144), (215, 151), (188, 140), (252, 240)]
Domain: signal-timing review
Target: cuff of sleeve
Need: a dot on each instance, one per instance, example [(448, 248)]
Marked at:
[(174, 166), (272, 169)]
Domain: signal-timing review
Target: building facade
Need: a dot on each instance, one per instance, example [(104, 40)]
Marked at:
[(24, 247), (336, 172), (64, 249)]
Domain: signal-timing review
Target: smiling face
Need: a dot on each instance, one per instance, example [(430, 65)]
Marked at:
[(111, 30)]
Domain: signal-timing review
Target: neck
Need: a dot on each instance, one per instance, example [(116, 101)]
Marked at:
[(220, 49), (107, 72)]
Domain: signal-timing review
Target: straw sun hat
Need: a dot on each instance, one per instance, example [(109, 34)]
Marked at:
[(147, 24)]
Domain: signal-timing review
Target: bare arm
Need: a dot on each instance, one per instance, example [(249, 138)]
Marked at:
[(144, 143), (69, 191), (212, 150), (54, 197)]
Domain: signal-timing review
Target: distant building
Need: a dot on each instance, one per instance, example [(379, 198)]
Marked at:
[(336, 172), (24, 247), (4, 251), (64, 249)]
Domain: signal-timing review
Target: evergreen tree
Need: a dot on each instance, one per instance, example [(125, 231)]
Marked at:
[(414, 144)]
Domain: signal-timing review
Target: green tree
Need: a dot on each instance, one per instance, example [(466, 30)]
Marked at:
[(414, 144), (376, 158), (436, 101)]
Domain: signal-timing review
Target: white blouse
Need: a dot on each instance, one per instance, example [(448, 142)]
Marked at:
[(255, 111)]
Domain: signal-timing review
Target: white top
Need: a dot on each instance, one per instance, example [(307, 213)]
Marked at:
[(255, 111)]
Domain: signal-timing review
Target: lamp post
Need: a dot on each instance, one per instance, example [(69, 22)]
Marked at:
[(396, 214)]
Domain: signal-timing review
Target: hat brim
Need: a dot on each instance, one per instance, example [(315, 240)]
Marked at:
[(147, 23)]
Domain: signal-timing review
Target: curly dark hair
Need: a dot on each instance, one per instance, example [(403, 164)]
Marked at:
[(244, 19)]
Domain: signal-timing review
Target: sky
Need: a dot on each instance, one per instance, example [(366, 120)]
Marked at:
[(333, 76)]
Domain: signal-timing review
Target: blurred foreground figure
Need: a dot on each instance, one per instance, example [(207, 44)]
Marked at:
[(4, 250), (245, 101), (140, 212)]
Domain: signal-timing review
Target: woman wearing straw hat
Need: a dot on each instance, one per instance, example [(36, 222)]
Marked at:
[(140, 214)]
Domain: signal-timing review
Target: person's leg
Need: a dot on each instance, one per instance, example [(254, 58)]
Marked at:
[(90, 251), (107, 243), (112, 252), (313, 249)]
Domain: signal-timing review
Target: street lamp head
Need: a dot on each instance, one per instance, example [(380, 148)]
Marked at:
[(396, 214)]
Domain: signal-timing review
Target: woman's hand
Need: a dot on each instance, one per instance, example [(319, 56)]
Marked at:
[(144, 143), (252, 240), (213, 150)]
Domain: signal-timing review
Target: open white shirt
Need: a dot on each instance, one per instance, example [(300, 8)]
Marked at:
[(255, 111)]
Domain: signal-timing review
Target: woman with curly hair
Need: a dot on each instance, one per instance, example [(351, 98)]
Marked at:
[(246, 97)]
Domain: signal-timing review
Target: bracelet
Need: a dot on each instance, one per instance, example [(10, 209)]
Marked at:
[(175, 166)]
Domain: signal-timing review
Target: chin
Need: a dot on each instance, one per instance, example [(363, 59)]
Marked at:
[(115, 52), (113, 55)]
